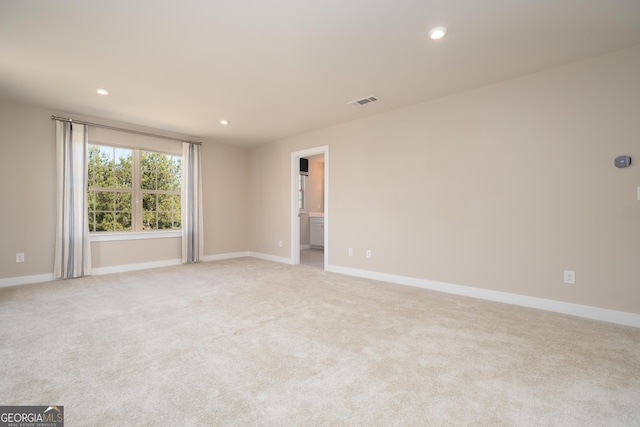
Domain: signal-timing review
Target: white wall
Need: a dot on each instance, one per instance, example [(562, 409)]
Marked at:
[(315, 184), (27, 191), (314, 194), (500, 188)]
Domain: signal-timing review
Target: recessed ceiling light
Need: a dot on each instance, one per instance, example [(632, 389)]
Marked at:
[(437, 33), (102, 91), (224, 122)]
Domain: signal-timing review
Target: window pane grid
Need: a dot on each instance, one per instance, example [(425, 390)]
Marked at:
[(161, 210), (118, 177), (109, 210), (160, 184)]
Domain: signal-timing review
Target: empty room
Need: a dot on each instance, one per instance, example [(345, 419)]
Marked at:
[(320, 212)]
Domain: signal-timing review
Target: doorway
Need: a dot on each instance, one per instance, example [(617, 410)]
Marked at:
[(314, 209)]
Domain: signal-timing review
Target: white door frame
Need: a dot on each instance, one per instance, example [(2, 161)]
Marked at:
[(295, 218)]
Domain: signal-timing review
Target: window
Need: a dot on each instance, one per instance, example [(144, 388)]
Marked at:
[(160, 178), (110, 188), (301, 191), (133, 190)]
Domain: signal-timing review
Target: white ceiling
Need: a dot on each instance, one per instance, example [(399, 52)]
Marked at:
[(282, 67)]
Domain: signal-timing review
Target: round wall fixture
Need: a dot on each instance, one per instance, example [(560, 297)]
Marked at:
[(622, 161)]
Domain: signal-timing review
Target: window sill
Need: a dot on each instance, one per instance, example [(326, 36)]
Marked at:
[(134, 235)]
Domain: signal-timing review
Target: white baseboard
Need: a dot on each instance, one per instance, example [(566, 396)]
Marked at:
[(24, 280), (97, 271), (166, 263), (596, 313), (133, 267), (273, 258), (229, 255), (305, 246)]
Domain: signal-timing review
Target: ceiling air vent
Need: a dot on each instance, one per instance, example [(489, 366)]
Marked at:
[(363, 101)]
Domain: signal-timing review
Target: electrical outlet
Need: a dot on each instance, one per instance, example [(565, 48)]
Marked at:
[(368, 253), (570, 277), (350, 251), (279, 243), (20, 257)]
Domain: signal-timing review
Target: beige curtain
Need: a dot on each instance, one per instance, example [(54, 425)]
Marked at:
[(192, 236), (73, 248)]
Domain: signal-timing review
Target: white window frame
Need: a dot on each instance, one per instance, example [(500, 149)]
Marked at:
[(136, 198), (302, 196)]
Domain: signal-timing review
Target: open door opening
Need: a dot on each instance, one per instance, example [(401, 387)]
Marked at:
[(310, 207)]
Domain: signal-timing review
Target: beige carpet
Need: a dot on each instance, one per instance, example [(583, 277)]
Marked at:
[(248, 342)]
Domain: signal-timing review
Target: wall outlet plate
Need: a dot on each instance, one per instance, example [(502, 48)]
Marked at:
[(570, 277)]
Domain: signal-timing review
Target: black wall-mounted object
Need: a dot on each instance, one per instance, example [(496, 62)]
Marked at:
[(622, 161), (304, 167)]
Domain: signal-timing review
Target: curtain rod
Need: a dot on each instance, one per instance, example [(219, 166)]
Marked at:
[(63, 119)]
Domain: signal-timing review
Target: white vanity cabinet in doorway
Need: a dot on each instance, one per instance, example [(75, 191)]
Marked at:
[(317, 231)]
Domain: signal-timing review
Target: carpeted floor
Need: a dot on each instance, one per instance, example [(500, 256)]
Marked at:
[(249, 342)]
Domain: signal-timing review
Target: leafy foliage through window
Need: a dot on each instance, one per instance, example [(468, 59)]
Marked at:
[(160, 184), (133, 190)]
